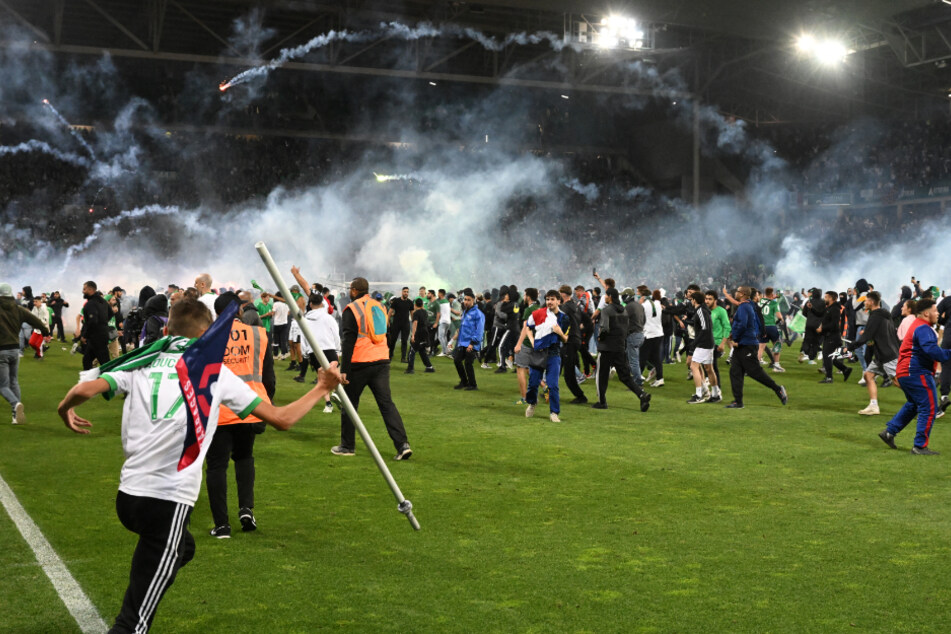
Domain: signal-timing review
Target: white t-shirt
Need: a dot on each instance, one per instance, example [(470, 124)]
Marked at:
[(281, 311), (653, 327), (154, 421), (208, 299), (444, 311), (324, 328)]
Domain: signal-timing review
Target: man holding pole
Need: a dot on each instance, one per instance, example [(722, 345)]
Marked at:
[(365, 362)]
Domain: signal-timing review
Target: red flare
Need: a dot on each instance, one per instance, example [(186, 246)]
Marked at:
[(46, 101), (223, 86)]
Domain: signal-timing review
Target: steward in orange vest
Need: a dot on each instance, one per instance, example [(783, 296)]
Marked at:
[(249, 357), (365, 362)]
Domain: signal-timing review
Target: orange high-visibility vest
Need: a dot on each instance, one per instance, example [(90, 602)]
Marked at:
[(365, 351), (244, 356)]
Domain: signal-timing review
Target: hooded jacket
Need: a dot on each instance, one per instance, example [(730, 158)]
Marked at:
[(896, 309), (814, 311), (11, 316), (880, 335)]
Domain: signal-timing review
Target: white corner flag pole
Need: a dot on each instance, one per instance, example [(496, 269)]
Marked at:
[(404, 506)]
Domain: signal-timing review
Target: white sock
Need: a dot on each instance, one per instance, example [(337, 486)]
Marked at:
[(699, 391), (873, 402), (715, 390)]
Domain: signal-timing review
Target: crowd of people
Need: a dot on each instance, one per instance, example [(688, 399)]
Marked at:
[(571, 334)]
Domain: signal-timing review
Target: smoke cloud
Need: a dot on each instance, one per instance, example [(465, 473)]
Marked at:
[(459, 204)]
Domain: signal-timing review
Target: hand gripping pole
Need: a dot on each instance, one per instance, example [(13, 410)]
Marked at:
[(404, 506)]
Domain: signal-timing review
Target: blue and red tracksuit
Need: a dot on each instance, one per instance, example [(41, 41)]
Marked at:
[(917, 357)]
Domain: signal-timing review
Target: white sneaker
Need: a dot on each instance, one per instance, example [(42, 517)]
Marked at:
[(19, 416), (329, 408), (812, 362), (657, 383), (778, 368), (529, 411), (554, 418), (862, 381), (871, 410), (486, 366)]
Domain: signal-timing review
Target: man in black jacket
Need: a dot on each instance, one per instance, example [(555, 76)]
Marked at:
[(831, 331), (56, 304), (569, 351), (95, 330), (880, 335), (612, 344), (813, 309)]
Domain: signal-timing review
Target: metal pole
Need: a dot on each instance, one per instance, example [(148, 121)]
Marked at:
[(404, 506)]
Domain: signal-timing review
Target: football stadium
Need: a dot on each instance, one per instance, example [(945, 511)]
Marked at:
[(447, 316)]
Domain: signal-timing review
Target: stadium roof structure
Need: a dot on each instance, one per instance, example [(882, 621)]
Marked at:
[(738, 54)]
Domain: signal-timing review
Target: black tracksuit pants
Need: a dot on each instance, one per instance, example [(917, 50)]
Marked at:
[(651, 354), (568, 364), (828, 349), (96, 349), (464, 360), (746, 362), (164, 546), (376, 376), (400, 332), (231, 442), (617, 360), (418, 347)]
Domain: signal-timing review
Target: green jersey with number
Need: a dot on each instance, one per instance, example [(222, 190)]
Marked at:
[(769, 307)]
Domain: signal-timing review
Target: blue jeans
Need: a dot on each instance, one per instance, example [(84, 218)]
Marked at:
[(9, 386), (551, 378), (634, 342), (860, 351)]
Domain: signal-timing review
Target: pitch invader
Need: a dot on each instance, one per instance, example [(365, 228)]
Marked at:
[(769, 307)]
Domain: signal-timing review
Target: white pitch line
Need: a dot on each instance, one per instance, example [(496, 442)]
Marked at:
[(76, 601)]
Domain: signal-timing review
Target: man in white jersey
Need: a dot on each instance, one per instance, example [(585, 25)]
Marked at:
[(156, 494)]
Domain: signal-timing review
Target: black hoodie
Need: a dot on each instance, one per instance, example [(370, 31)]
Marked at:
[(881, 335)]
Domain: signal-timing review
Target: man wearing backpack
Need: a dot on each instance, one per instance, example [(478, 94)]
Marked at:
[(365, 362)]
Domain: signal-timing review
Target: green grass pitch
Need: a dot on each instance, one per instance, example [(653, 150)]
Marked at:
[(688, 518)]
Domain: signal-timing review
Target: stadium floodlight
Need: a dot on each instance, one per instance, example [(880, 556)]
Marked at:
[(830, 52), (620, 32), (806, 43)]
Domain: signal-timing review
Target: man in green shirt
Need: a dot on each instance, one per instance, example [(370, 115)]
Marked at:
[(769, 307), (265, 308), (721, 328), (431, 305)]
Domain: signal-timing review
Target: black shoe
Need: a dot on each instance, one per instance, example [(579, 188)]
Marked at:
[(828, 379), (599, 406), (299, 379), (581, 400), (888, 439), (404, 453), (293, 366), (714, 399), (471, 388), (783, 396), (410, 372), (924, 451), (846, 374), (694, 400), (460, 386), (246, 517), (221, 532), (645, 402), (501, 371), (734, 405), (944, 402), (430, 369), (403, 360)]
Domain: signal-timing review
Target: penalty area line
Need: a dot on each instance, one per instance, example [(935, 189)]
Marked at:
[(76, 601)]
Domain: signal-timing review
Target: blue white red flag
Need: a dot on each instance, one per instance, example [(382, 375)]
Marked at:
[(198, 369)]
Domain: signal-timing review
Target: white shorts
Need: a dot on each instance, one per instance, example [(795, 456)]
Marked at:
[(703, 356)]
